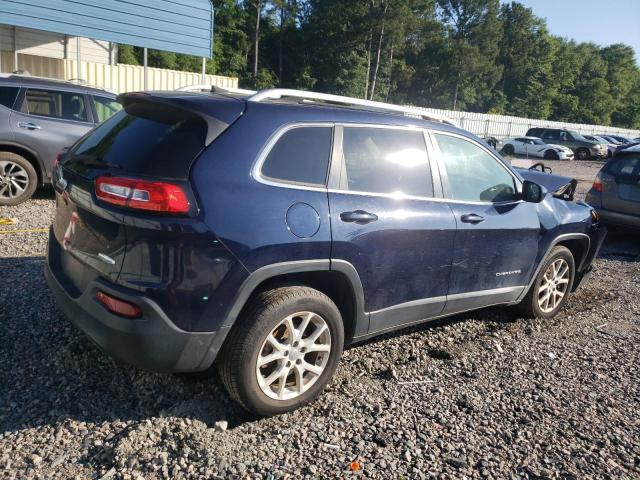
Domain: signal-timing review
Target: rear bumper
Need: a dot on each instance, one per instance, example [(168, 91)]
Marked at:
[(616, 218), (151, 342)]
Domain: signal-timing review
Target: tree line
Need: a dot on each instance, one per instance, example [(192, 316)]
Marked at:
[(473, 55)]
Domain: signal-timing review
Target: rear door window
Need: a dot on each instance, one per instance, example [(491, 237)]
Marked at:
[(56, 104), (300, 156), (386, 161), (105, 107), (473, 174), (8, 96)]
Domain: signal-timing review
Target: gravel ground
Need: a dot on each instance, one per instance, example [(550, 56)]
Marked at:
[(501, 397)]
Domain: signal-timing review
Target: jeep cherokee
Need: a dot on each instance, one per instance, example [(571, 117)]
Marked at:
[(265, 232)]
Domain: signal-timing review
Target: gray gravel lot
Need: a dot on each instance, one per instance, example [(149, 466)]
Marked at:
[(501, 397)]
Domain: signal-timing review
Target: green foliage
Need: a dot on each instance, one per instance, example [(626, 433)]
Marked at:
[(475, 55)]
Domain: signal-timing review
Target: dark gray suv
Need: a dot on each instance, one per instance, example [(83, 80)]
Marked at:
[(38, 118), (583, 148)]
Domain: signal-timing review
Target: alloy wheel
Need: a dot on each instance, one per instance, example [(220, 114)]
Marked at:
[(554, 285), (293, 356), (13, 179)]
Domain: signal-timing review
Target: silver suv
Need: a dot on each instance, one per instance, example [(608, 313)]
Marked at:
[(38, 118)]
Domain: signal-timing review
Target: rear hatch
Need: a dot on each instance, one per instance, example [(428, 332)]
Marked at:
[(621, 184), (152, 142)]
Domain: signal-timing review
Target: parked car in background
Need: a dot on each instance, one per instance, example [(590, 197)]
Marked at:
[(611, 140), (584, 149), (611, 147), (622, 140), (266, 231), (38, 118), (536, 147), (615, 193)]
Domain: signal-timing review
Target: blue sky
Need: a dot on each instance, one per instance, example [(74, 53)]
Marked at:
[(600, 21)]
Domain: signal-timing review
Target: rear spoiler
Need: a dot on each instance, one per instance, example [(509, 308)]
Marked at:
[(218, 112)]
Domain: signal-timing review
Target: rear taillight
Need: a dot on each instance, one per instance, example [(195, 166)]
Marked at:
[(117, 306), (597, 185), (601, 179), (59, 157), (159, 197)]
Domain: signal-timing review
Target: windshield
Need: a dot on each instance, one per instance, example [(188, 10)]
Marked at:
[(537, 141), (577, 136)]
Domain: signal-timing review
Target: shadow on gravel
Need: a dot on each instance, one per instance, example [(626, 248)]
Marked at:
[(621, 244), (44, 193), (51, 372)]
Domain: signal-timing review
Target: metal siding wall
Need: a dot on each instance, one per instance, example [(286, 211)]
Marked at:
[(49, 44), (503, 126), (129, 78), (182, 26), (117, 78)]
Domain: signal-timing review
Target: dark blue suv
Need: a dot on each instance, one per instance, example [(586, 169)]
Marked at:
[(264, 232)]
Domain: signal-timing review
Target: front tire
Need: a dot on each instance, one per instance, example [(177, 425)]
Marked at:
[(552, 286), (18, 179), (283, 350), (551, 155)]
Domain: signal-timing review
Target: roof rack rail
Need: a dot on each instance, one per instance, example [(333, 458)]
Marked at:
[(202, 87), (277, 93)]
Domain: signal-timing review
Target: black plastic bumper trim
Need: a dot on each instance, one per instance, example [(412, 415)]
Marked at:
[(151, 342)]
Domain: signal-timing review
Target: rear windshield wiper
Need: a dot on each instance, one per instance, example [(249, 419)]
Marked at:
[(92, 161)]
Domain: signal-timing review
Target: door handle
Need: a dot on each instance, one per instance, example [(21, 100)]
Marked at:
[(359, 216), (29, 125), (472, 218)]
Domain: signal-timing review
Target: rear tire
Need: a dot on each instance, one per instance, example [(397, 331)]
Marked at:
[(18, 179), (271, 363), (583, 154), (551, 288)]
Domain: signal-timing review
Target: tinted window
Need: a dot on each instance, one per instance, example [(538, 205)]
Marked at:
[(8, 96), (385, 160), (473, 174), (52, 103), (146, 138), (551, 135), (627, 166), (301, 155), (105, 107)]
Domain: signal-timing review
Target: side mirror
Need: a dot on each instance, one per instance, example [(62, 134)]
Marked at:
[(532, 192)]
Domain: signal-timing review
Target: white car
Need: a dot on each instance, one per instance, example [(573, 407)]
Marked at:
[(536, 147)]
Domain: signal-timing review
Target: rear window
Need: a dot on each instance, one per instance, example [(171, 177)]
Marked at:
[(144, 139), (627, 166), (8, 96), (105, 107), (300, 156)]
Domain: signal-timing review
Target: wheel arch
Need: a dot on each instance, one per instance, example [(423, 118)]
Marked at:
[(577, 243), (32, 157), (336, 279)]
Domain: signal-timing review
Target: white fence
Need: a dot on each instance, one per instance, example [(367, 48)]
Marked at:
[(503, 126)]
